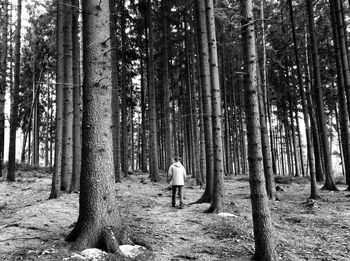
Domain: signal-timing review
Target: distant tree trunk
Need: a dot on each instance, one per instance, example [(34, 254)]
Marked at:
[(99, 224), (218, 190), (115, 92), (329, 183), (47, 122), (15, 94), (124, 142), (206, 99), (154, 171), (76, 98), (67, 139), (165, 81), (56, 177), (3, 72), (36, 142), (263, 228)]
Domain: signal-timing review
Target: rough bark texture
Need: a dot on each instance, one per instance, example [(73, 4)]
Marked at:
[(115, 93), (263, 229), (15, 95), (56, 177), (154, 171), (67, 138), (218, 189), (99, 223), (329, 183), (76, 98), (206, 99)]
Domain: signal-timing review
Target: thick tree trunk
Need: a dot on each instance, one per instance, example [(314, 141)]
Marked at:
[(263, 228), (56, 177), (99, 224), (15, 96), (329, 183)]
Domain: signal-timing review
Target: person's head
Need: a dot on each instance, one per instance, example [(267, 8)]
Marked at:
[(177, 159)]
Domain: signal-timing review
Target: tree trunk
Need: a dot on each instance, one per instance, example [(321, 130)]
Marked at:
[(329, 183), (3, 72), (218, 189), (206, 99), (263, 228), (76, 98), (56, 177), (154, 171), (67, 138), (99, 224), (115, 92), (165, 81), (15, 94)]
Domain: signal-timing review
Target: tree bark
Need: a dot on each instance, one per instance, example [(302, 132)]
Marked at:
[(3, 64), (217, 203), (15, 94), (263, 228), (99, 224), (329, 182)]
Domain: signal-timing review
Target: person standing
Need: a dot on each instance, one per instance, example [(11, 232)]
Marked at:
[(177, 175)]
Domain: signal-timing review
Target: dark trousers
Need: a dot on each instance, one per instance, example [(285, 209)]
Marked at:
[(179, 188)]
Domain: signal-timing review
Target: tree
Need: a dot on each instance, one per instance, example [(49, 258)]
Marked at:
[(56, 177), (15, 95), (329, 183), (263, 229), (218, 192), (3, 75), (99, 224), (154, 171)]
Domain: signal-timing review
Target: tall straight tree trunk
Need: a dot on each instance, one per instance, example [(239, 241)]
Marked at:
[(15, 94), (206, 99), (343, 78), (115, 91), (67, 139), (99, 224), (329, 183), (263, 228), (3, 72), (36, 142), (56, 177), (217, 203), (165, 81), (76, 98), (154, 171), (124, 90), (47, 122)]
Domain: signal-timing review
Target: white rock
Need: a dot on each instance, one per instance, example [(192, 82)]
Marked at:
[(132, 251), (226, 215)]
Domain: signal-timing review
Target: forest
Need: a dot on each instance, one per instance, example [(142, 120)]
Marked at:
[(98, 100)]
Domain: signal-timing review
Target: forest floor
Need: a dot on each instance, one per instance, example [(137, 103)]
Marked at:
[(33, 227)]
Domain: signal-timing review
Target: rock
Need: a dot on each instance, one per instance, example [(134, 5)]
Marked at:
[(132, 251)]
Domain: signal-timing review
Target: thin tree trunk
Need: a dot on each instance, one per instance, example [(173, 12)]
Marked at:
[(15, 94), (206, 99), (329, 183), (56, 177), (3, 72), (154, 171), (263, 228)]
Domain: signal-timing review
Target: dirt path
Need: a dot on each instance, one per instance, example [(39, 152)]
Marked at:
[(33, 228)]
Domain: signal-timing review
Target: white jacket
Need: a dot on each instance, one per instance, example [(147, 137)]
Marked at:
[(177, 174)]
